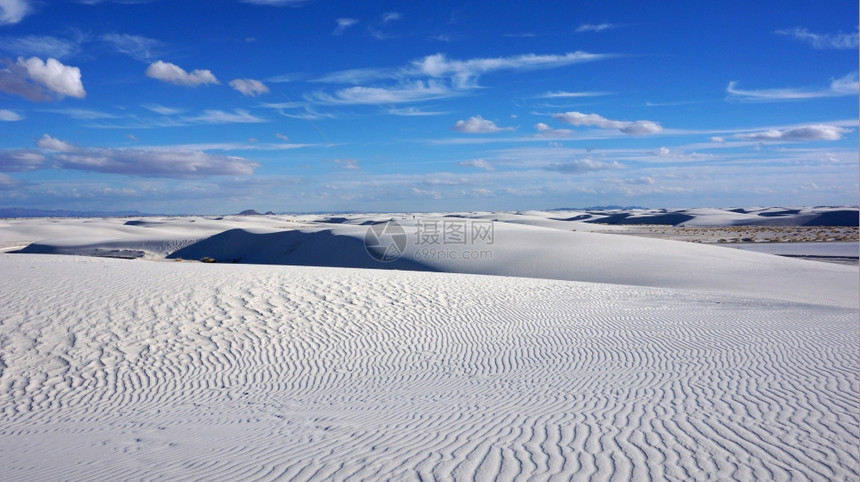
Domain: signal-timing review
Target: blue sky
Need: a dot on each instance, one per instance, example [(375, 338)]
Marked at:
[(186, 106)]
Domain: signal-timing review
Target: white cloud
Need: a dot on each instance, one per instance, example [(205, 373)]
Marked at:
[(820, 132), (546, 131), (390, 17), (662, 152), (143, 162), (465, 73), (249, 87), (480, 164), (40, 46), (13, 11), (633, 128), (478, 125), (718, 139), (36, 80), (19, 160), (351, 164), (54, 144), (238, 116), (139, 48), (581, 166), (174, 74), (840, 40), (569, 95), (588, 27), (843, 86), (405, 92), (343, 24), (282, 137), (160, 109), (7, 115)]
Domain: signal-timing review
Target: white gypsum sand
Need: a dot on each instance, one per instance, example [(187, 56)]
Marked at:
[(119, 369)]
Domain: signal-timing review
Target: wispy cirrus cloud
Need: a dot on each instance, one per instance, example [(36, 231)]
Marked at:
[(843, 86), (434, 76), (569, 95), (595, 27), (135, 46), (478, 125), (343, 24), (411, 91), (839, 41), (632, 128), (465, 73), (142, 162), (40, 46), (174, 74)]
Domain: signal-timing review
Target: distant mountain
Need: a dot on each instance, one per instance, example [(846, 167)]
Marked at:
[(65, 213), (249, 212)]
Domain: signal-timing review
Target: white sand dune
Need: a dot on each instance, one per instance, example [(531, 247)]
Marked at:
[(522, 245), (116, 369), (632, 359)]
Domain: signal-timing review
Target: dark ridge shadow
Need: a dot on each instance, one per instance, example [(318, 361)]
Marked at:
[(321, 248), (581, 217), (836, 218)]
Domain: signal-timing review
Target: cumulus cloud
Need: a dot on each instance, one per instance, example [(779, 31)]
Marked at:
[(843, 86), (142, 162), (632, 128), (18, 160), (174, 74), (545, 130), (39, 81), (478, 125), (480, 164), (581, 166), (249, 87), (61, 79), (136, 47), (13, 11), (53, 144), (820, 132), (840, 40), (343, 24), (7, 115)]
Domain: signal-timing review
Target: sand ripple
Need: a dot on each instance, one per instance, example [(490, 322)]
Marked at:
[(126, 369)]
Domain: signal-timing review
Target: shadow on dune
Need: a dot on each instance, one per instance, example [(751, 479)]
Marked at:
[(321, 248)]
